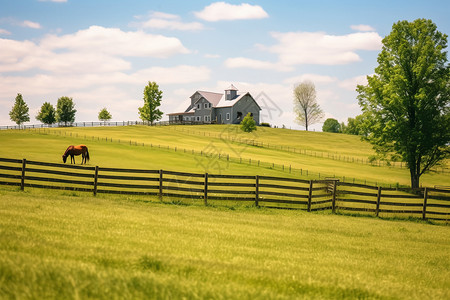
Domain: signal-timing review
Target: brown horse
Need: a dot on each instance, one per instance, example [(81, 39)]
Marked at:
[(76, 150)]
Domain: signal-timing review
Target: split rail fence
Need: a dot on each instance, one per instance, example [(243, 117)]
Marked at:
[(265, 191)]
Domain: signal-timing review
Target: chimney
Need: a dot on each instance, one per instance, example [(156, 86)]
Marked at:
[(231, 93)]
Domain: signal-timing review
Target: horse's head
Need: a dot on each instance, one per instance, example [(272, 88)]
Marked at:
[(64, 158)]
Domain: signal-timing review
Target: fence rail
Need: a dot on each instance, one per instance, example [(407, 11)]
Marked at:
[(266, 191)]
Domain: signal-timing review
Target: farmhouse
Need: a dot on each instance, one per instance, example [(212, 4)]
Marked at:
[(227, 108)]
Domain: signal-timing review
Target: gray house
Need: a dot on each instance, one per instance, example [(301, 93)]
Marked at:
[(227, 108)]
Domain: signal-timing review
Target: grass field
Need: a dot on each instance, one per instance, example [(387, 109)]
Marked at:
[(106, 151), (63, 245)]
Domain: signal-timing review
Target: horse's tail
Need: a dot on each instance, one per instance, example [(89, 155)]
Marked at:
[(87, 153)]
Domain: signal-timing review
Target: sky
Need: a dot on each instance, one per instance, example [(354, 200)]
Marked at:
[(103, 53)]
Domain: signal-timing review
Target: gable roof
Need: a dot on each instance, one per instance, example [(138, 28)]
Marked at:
[(229, 103), (212, 97)]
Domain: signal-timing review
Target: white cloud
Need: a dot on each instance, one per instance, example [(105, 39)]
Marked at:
[(114, 41), (211, 55), (160, 20), (173, 75), (220, 11), (320, 48), (30, 24), (243, 62), (4, 32), (315, 78), (362, 27), (351, 83)]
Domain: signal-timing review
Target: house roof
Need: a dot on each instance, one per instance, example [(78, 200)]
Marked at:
[(212, 97), (232, 88), (229, 103)]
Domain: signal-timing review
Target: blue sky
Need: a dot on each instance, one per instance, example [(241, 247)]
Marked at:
[(103, 53)]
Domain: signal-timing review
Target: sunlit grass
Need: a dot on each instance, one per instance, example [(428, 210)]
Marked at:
[(106, 151), (64, 245)]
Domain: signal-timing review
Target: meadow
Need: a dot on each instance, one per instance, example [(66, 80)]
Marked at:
[(64, 245), (122, 147), (72, 245)]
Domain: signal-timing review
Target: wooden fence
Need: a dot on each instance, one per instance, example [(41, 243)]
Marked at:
[(265, 191)]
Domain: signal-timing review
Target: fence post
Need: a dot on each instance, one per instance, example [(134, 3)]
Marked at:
[(377, 210), (95, 180), (333, 201), (310, 194), (257, 191), (205, 196), (425, 199), (160, 184), (22, 179)]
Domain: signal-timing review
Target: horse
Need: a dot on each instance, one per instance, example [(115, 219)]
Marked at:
[(76, 150)]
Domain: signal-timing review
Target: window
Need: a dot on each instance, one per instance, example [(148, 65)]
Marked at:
[(206, 118), (198, 106), (228, 116), (205, 105), (198, 118), (239, 115)]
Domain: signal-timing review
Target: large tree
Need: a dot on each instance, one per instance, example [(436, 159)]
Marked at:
[(65, 110), (152, 100), (305, 104), (19, 112), (46, 114), (406, 102)]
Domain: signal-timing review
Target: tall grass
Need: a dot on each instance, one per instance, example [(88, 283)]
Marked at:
[(57, 245)]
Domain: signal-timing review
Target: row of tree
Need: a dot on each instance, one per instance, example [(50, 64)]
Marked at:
[(64, 113)]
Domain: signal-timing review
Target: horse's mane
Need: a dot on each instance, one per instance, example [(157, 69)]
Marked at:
[(67, 150)]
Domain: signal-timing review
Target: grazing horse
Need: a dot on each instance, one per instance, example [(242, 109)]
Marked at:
[(76, 150)]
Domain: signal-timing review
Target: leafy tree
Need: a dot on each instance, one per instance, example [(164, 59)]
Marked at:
[(19, 112), (305, 104), (47, 114), (65, 110), (406, 104), (104, 115), (331, 125), (152, 100), (248, 124), (354, 126)]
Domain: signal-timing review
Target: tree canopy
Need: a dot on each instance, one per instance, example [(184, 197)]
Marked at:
[(65, 110), (307, 110), (248, 124), (46, 114), (406, 102), (331, 125), (152, 100), (104, 115), (19, 112)]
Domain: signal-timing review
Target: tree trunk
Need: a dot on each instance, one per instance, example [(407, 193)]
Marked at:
[(414, 178)]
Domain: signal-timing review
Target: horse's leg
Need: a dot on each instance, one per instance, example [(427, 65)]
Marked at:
[(82, 158)]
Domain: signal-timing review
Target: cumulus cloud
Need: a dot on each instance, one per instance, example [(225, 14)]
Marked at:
[(221, 11), (351, 83), (362, 27), (243, 62), (114, 41), (4, 32), (315, 78), (320, 48), (30, 24), (160, 20)]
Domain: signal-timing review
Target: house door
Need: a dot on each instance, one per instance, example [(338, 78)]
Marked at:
[(220, 119)]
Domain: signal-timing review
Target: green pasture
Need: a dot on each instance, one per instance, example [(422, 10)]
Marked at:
[(123, 147), (64, 245)]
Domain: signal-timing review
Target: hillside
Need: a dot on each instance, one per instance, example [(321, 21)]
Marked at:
[(268, 151)]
